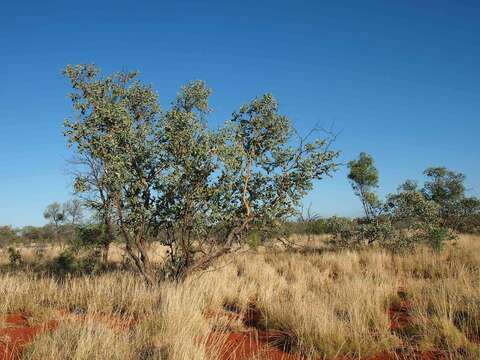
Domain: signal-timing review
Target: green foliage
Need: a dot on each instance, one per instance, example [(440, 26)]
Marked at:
[(186, 183), (437, 237), (468, 216), (344, 232), (409, 208), (318, 226), (7, 235), (363, 177), (416, 219), (70, 263), (408, 217), (254, 240), (347, 233), (54, 213), (90, 236), (115, 128), (363, 171), (32, 234), (167, 175), (14, 256), (64, 263), (264, 177), (446, 188)]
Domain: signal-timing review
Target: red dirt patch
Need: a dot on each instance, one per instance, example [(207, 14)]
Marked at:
[(19, 319), (249, 344), (399, 315), (258, 342), (254, 341), (18, 333)]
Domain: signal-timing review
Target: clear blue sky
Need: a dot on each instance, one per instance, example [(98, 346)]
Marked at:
[(399, 79)]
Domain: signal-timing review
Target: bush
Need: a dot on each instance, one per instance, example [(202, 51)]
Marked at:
[(7, 235), (64, 263), (437, 236), (167, 172), (347, 233), (68, 262), (91, 236), (469, 223), (14, 256), (409, 219), (254, 240), (316, 226)]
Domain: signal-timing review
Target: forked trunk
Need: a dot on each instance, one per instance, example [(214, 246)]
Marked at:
[(135, 246), (138, 254)]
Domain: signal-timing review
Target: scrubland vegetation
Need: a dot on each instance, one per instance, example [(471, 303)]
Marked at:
[(187, 242), (319, 304)]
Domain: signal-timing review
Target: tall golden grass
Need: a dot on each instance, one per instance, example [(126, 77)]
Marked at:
[(328, 304)]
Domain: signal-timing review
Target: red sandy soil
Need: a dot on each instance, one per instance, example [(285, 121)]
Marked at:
[(253, 342), (18, 333), (249, 344), (275, 345), (399, 315)]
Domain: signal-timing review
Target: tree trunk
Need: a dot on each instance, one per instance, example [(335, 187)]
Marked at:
[(143, 265), (135, 248), (110, 236)]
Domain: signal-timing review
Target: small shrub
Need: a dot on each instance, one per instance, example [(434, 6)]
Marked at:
[(14, 256), (64, 263), (253, 240), (437, 236), (72, 263), (344, 232)]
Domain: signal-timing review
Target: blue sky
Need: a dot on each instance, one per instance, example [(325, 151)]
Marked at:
[(398, 79)]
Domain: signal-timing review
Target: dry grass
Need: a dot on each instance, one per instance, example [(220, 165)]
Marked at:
[(327, 304), (116, 253)]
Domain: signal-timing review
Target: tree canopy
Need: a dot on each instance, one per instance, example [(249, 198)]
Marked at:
[(165, 175)]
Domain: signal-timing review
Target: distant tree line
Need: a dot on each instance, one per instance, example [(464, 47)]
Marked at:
[(63, 221), (430, 214)]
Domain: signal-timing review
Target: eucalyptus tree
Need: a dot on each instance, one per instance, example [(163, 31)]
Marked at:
[(114, 126), (55, 214), (443, 186), (416, 218), (447, 189), (363, 177), (168, 175)]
